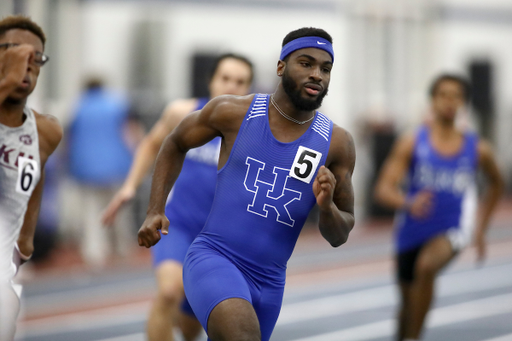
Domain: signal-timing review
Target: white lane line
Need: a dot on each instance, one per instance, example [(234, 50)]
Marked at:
[(450, 285), (131, 337), (97, 295), (121, 315), (462, 312), (335, 305), (142, 337), (507, 337)]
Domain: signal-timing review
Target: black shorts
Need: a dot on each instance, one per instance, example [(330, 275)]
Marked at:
[(406, 262)]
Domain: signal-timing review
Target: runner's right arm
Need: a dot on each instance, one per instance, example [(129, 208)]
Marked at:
[(145, 155), (13, 67), (494, 190), (388, 189), (221, 116)]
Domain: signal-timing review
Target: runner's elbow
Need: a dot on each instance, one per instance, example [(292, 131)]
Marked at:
[(339, 241)]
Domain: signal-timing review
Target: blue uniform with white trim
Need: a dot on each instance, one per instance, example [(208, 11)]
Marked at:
[(190, 202), (263, 197), (452, 180)]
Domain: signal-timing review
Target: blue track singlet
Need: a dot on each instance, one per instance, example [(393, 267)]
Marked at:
[(452, 180), (263, 197)]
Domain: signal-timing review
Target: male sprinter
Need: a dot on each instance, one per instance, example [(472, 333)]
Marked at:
[(27, 139), (278, 158)]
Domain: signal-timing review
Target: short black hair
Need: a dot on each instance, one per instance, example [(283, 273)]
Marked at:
[(306, 32), (463, 82), (23, 23), (241, 58)]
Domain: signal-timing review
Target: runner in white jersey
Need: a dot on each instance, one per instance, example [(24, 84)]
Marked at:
[(19, 174), (27, 139)]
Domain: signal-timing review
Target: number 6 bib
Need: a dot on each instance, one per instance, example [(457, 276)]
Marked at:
[(28, 171)]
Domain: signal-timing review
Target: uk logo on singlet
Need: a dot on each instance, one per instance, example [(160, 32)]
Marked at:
[(269, 195)]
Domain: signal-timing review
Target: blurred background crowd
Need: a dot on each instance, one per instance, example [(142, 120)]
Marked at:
[(116, 64)]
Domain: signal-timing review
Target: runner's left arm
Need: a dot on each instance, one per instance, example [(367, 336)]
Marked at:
[(334, 192), (489, 166)]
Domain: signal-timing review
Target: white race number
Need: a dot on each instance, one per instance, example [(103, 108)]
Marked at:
[(305, 164), (28, 171)]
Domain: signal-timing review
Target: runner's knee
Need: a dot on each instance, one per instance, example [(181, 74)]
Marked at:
[(425, 268), (171, 293)]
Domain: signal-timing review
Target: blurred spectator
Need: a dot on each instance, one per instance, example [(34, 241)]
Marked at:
[(99, 156)]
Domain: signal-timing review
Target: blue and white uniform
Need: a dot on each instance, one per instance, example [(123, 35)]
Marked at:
[(263, 197), (452, 180), (190, 202)]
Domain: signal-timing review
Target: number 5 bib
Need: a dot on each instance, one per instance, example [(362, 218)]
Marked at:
[(305, 164)]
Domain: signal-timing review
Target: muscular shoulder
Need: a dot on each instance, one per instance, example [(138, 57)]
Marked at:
[(342, 149), (227, 110), (49, 131), (232, 103)]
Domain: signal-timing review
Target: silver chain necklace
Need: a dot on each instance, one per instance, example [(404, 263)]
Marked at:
[(289, 118)]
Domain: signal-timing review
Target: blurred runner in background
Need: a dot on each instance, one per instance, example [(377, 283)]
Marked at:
[(188, 205), (437, 214)]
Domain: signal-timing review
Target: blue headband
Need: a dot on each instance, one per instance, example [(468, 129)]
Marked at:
[(305, 42)]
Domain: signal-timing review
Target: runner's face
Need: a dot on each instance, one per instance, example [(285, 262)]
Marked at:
[(19, 36), (306, 77), (233, 77), (448, 99)]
